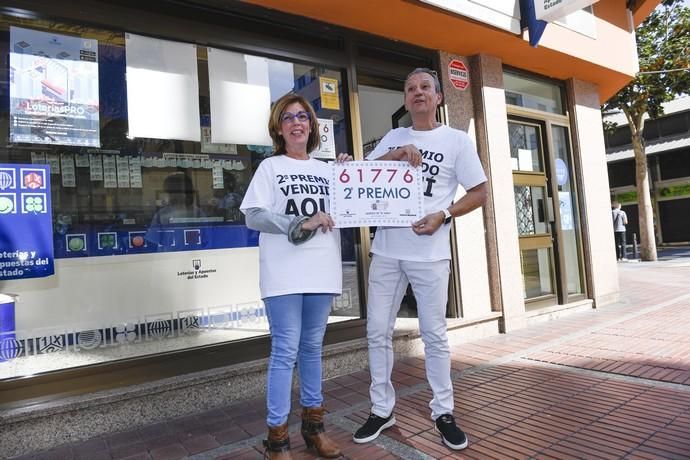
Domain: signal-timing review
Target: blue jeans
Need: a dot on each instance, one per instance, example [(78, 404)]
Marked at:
[(297, 323)]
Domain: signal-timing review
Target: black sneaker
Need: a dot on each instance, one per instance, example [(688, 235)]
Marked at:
[(372, 428), (452, 436)]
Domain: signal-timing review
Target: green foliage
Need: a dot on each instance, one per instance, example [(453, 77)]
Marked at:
[(663, 46)]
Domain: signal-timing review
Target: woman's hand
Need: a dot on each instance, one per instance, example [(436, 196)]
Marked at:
[(320, 219), (343, 157)]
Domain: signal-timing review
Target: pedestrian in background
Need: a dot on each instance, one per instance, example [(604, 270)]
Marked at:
[(620, 220)]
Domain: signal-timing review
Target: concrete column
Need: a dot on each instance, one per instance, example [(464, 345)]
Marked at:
[(590, 158), (505, 274), (469, 229)]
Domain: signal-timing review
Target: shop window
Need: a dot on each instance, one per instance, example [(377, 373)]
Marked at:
[(146, 182), (622, 173), (673, 125), (619, 137), (675, 220), (532, 93), (674, 165), (651, 130)]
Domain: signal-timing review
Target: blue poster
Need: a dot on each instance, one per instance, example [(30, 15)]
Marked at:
[(26, 224), (53, 88)]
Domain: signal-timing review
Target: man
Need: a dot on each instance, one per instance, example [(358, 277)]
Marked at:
[(420, 255), (620, 220)]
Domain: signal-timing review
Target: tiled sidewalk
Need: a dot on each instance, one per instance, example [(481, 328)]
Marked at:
[(609, 383)]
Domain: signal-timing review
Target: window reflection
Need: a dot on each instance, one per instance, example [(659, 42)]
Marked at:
[(537, 272), (525, 149), (531, 93)]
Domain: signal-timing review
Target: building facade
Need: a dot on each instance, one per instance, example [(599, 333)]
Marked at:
[(150, 117), (667, 140)]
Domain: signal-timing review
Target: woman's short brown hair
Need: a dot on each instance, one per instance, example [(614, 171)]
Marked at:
[(275, 123)]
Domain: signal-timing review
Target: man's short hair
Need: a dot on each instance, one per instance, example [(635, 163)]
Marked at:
[(431, 72)]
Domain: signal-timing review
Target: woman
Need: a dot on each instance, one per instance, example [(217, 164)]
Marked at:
[(300, 269)]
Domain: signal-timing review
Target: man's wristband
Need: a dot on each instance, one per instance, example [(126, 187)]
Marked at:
[(447, 216)]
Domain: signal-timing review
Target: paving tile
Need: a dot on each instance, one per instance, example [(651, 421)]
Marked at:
[(230, 435), (172, 452), (161, 441), (139, 456), (122, 439), (200, 444), (254, 428), (60, 453), (129, 450), (154, 431), (95, 455), (88, 449)]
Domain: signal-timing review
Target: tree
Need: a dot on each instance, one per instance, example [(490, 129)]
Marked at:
[(663, 47)]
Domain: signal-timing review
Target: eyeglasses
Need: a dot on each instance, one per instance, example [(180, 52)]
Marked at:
[(431, 72), (289, 117)]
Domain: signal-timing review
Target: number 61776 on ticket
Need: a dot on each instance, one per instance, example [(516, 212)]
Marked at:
[(376, 193)]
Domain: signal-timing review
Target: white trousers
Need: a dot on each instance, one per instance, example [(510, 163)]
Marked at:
[(388, 280)]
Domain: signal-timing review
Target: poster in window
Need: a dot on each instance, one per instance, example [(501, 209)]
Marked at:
[(162, 89), (566, 205), (240, 98), (327, 150), (53, 89), (26, 224)]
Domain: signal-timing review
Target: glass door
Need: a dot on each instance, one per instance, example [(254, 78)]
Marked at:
[(546, 208), (534, 211), (566, 219)]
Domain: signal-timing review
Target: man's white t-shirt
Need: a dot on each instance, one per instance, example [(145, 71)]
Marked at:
[(284, 185), (449, 159)]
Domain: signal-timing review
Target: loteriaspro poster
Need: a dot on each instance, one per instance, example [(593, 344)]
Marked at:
[(26, 224), (53, 89)]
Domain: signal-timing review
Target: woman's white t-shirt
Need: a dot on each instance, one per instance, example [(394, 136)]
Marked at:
[(449, 159), (284, 185)]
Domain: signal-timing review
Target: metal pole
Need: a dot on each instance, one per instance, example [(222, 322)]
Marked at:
[(635, 246)]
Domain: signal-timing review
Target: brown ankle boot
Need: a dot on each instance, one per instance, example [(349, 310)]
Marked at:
[(278, 443), (314, 435)]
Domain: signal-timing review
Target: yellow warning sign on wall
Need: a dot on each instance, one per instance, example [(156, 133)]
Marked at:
[(329, 93)]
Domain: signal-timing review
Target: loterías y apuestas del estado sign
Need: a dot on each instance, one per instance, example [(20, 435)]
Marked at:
[(551, 10)]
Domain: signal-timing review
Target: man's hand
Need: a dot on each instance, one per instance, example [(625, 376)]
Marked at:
[(428, 224), (320, 219), (408, 153)]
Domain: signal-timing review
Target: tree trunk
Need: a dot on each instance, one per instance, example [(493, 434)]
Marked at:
[(644, 201)]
